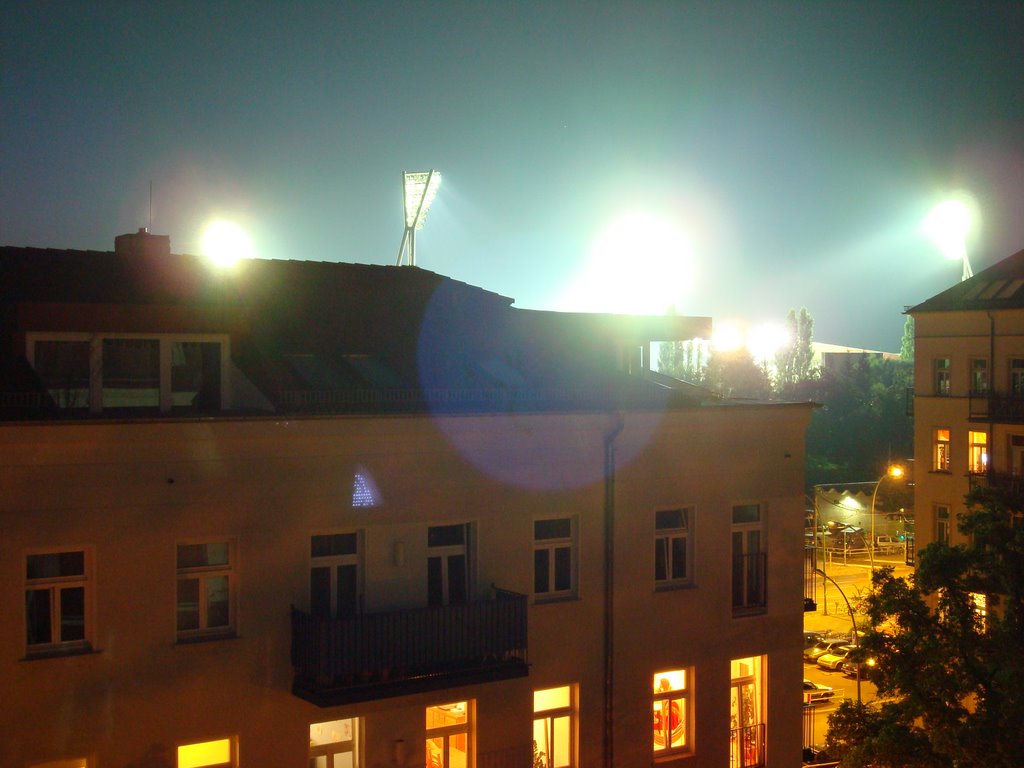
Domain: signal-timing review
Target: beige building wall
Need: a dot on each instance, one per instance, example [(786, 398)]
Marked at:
[(128, 492)]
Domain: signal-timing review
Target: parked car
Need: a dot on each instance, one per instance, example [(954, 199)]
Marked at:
[(834, 658), (816, 692), (821, 647), (811, 638), (888, 545), (850, 667)]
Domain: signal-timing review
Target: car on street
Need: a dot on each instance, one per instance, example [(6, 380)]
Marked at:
[(821, 647), (834, 658), (850, 667), (815, 693), (811, 638)]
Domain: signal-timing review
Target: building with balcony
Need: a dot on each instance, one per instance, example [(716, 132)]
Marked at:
[(968, 394), (353, 516)]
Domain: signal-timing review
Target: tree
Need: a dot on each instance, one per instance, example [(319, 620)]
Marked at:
[(685, 360), (949, 649), (793, 361), (734, 373), (907, 342)]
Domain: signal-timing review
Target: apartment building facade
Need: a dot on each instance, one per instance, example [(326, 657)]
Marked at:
[(968, 394), (348, 516)]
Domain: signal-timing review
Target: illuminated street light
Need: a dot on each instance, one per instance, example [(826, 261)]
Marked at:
[(947, 224), (895, 471), (419, 188)]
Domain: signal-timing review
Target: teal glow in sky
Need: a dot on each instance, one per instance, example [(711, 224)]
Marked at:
[(779, 154)]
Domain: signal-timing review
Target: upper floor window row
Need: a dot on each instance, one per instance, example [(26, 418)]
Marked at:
[(97, 372)]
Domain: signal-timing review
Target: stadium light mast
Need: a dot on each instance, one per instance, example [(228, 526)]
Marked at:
[(948, 224), (419, 188)]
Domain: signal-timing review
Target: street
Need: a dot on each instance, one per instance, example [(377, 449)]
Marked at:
[(833, 617)]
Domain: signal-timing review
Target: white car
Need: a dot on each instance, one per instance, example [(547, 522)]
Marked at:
[(834, 659)]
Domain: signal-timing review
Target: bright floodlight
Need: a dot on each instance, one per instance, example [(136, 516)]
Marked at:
[(224, 243), (419, 188), (765, 340), (947, 224), (726, 337)]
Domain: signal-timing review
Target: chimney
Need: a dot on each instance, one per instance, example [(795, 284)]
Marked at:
[(142, 243)]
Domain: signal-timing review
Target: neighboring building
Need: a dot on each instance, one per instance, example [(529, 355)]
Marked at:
[(829, 357), (968, 394), (346, 515)]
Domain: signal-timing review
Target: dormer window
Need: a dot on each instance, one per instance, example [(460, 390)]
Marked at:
[(134, 372)]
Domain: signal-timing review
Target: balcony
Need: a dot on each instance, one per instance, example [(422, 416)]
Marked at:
[(997, 407), (1010, 485), (746, 747), (379, 655)]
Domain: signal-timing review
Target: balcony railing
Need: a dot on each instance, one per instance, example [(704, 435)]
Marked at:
[(998, 407), (750, 582), (746, 747), (377, 655), (1010, 484)]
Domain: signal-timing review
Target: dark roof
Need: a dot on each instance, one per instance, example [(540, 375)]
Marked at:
[(328, 336), (1001, 286)]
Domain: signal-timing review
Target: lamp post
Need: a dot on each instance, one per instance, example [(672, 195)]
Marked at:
[(894, 471), (853, 620)]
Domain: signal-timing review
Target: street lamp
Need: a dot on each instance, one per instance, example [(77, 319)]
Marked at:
[(894, 471), (947, 224), (853, 620), (419, 188)]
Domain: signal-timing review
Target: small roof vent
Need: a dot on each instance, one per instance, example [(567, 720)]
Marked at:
[(142, 243)]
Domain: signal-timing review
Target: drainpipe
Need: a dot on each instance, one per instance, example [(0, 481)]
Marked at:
[(991, 394), (609, 583)]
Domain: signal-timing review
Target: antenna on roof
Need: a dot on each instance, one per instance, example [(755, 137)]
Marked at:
[(418, 191), (150, 227)]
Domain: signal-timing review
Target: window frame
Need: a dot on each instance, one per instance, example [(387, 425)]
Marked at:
[(684, 698), (548, 717), (331, 749), (750, 563), (664, 537), (551, 545), (977, 452), (444, 554), (1015, 385), (332, 562), (54, 586), (943, 517), (201, 574), (446, 732), (165, 343), (980, 376), (941, 374), (941, 440)]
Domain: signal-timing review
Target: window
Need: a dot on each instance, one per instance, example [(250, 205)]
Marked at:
[(747, 713), (334, 744), (979, 375), (1017, 376), (57, 601), (220, 753), (940, 462), (448, 566), (554, 558), (554, 727), (672, 547), (206, 602), (749, 561), (672, 727), (161, 373), (335, 583), (942, 523), (977, 459), (942, 376), (449, 735)]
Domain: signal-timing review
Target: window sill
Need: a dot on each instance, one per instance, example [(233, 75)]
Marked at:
[(55, 652), (673, 586), (209, 638), (939, 472), (542, 600), (675, 757), (755, 610)]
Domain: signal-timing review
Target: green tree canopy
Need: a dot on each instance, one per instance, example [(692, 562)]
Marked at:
[(949, 649), (793, 362)]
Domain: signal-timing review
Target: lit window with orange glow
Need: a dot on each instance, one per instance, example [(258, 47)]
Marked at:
[(449, 732), (554, 727), (671, 711), (977, 457), (219, 753), (940, 454)]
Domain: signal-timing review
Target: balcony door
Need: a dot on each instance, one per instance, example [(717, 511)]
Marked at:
[(746, 718), (748, 558), (335, 575), (448, 564)]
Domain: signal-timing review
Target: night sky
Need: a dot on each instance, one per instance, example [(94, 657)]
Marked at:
[(731, 159)]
